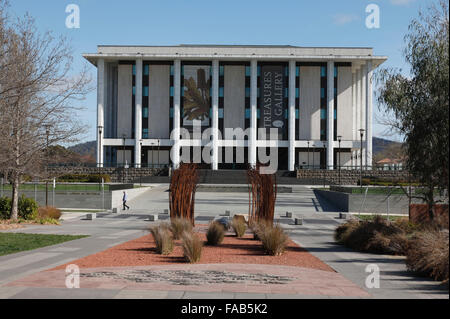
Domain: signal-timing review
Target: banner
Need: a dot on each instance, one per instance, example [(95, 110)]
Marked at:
[(271, 99)]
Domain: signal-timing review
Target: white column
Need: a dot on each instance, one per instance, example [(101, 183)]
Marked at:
[(354, 106), (101, 99), (358, 103), (176, 113), (291, 116), (138, 114), (369, 113), (330, 118), (253, 111), (215, 115), (363, 110)]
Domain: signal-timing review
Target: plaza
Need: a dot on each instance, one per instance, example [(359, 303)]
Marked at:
[(29, 275)]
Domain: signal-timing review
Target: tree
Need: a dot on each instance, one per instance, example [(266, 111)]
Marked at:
[(418, 104), (37, 95)]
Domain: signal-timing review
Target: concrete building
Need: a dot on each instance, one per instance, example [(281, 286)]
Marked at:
[(318, 100)]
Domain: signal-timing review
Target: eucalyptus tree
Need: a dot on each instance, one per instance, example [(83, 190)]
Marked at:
[(417, 104)]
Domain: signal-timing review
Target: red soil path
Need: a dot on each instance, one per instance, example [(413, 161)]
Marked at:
[(246, 250)]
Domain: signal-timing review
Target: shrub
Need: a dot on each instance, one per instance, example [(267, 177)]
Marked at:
[(5, 207), (428, 254), (274, 240), (178, 226), (376, 236), (49, 212), (84, 178), (239, 226), (28, 208), (192, 247), (163, 239), (215, 233), (259, 227)]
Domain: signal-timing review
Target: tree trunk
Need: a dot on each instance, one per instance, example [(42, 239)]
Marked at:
[(15, 198), (430, 203)]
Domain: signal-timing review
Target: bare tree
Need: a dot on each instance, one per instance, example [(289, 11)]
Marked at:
[(38, 94)]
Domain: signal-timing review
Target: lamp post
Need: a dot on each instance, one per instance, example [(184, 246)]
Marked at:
[(142, 154), (339, 158), (100, 131), (361, 131), (325, 157), (47, 133), (308, 154), (124, 137), (158, 152)]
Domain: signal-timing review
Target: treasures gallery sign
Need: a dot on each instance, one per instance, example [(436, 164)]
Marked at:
[(272, 87)]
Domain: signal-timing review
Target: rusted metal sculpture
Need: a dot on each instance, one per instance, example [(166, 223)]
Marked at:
[(262, 195), (183, 185)]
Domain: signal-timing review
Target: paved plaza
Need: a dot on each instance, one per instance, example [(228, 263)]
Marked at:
[(27, 274)]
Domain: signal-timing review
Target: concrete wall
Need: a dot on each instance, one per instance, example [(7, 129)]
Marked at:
[(124, 97), (116, 196), (234, 96), (344, 106), (159, 101), (372, 203), (309, 103)]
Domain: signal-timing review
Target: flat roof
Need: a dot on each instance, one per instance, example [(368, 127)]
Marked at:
[(356, 55)]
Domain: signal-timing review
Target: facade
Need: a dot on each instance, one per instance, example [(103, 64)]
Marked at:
[(315, 100)]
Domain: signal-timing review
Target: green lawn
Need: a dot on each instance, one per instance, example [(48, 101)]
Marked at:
[(59, 187), (11, 243), (371, 217)]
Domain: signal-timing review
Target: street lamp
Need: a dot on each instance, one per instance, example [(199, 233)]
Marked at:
[(100, 131), (158, 153), (47, 133), (339, 158), (124, 137), (308, 154), (325, 153), (142, 155), (361, 131)]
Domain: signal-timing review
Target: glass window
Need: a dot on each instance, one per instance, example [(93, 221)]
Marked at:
[(220, 113), (335, 114), (257, 113), (335, 72), (247, 113), (145, 91), (247, 92), (134, 69), (171, 70), (259, 70), (297, 71), (323, 71), (171, 112), (145, 112), (146, 69), (323, 114), (171, 91), (297, 114), (221, 70), (297, 92), (247, 71), (220, 92), (322, 93), (134, 90)]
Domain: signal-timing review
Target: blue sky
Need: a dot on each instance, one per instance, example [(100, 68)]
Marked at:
[(293, 22)]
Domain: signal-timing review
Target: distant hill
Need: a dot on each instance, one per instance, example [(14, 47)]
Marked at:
[(380, 144), (85, 149)]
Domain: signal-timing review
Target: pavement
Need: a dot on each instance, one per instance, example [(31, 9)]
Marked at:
[(22, 275)]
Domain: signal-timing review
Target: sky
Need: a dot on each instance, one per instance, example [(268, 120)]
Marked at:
[(282, 22)]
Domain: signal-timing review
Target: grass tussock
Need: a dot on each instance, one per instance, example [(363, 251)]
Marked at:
[(239, 226), (163, 239), (49, 212), (178, 226), (376, 236), (428, 254), (274, 239), (192, 247), (259, 227), (215, 234)]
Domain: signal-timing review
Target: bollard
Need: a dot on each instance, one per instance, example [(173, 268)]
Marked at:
[(227, 213), (299, 221), (289, 214), (166, 212), (152, 218)]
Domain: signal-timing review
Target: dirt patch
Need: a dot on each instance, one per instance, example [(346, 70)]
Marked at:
[(246, 250), (10, 226)]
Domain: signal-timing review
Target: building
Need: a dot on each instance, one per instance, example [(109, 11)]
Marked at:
[(318, 99)]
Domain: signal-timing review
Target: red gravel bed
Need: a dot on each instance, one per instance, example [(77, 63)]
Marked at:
[(246, 250)]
